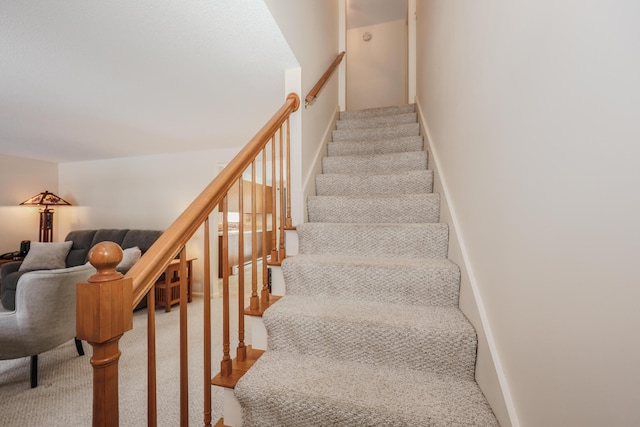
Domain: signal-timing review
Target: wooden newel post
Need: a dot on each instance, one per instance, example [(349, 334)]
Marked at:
[(104, 312)]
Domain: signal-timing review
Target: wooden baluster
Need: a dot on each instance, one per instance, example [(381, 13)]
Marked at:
[(207, 326), (274, 211), (282, 253), (225, 364), (184, 341), (288, 222), (241, 352), (265, 241), (254, 229), (152, 404), (104, 312)]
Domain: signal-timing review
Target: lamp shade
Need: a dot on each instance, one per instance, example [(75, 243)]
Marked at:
[(45, 199)]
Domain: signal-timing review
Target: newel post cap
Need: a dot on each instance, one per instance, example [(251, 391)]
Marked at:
[(105, 257), (104, 304)]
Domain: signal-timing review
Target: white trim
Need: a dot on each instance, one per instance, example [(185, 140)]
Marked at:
[(316, 167), (482, 312), (342, 46), (232, 410), (293, 84), (411, 47)]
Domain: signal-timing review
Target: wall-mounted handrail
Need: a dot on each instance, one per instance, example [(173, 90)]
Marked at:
[(323, 80)]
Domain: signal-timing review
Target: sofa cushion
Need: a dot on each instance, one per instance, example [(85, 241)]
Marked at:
[(129, 257), (81, 245), (46, 256), (140, 238), (109, 235)]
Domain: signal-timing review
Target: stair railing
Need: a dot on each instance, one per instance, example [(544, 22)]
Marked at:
[(105, 303), (313, 93)]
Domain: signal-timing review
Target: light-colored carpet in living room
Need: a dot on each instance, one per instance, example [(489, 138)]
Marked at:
[(64, 394)]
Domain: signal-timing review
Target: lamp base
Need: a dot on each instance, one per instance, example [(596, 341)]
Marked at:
[(46, 225)]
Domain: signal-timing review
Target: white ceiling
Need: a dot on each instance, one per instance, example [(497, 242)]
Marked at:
[(95, 79), (363, 13)]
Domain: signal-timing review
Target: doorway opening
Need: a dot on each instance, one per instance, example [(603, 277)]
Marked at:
[(377, 43)]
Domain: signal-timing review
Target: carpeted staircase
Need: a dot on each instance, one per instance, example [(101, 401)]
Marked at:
[(369, 333)]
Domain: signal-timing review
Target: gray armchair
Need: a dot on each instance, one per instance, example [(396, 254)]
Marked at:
[(44, 315)]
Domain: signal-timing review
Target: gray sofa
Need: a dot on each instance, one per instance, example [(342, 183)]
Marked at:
[(83, 241)]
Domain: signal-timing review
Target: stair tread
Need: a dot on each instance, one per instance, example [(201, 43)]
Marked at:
[(401, 208), (374, 133), (421, 281), (384, 197), (427, 318), (401, 154), (374, 183), (370, 261), (382, 239), (374, 174), (376, 121), (320, 391), (430, 339), (390, 162), (395, 145), (378, 111)]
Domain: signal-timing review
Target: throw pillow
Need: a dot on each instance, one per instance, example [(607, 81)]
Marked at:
[(46, 256), (129, 257)]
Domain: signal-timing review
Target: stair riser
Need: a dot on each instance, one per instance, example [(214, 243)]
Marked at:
[(395, 284), (399, 209), (360, 185), (407, 241), (448, 354), (379, 121), (399, 145), (375, 112), (389, 132), (380, 163)]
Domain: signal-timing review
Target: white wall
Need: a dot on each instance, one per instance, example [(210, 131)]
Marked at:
[(377, 69), (311, 28), (20, 179), (147, 192), (533, 110)]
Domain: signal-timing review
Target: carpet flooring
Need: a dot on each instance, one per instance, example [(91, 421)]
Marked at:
[(64, 394), (369, 332)]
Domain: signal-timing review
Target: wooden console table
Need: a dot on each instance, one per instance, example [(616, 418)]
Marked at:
[(167, 288), (234, 242)]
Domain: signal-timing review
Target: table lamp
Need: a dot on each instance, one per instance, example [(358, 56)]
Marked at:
[(45, 199)]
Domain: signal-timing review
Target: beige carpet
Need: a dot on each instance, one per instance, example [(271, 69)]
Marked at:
[(63, 396), (369, 332)]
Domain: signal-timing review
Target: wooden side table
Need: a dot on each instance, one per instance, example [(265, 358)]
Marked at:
[(168, 289)]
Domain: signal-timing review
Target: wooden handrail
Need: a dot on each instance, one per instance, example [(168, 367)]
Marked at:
[(323, 80), (163, 251), (105, 303)]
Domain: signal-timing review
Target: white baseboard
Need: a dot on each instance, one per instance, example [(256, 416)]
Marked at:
[(232, 411), (308, 184), (503, 404), (258, 332), (291, 242)]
